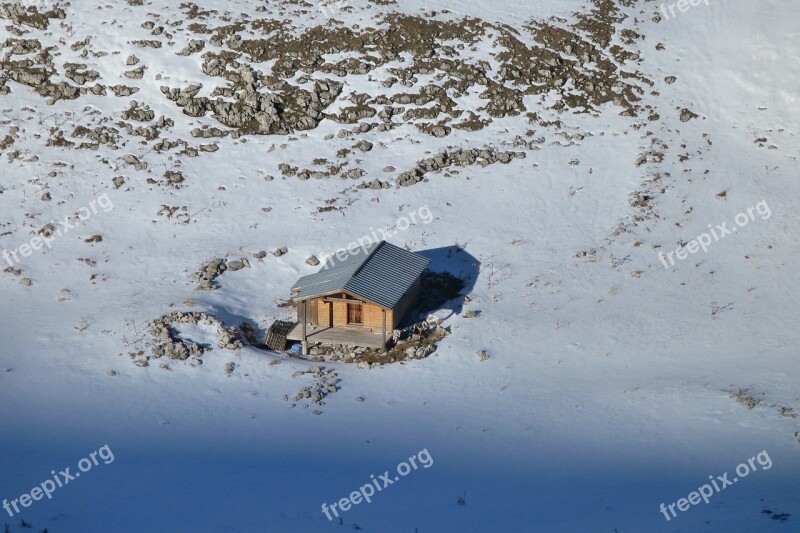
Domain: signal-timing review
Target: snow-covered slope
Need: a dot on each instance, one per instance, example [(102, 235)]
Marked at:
[(613, 384)]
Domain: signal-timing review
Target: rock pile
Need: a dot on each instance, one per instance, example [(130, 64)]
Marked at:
[(457, 157), (209, 272), (325, 385), (167, 342)]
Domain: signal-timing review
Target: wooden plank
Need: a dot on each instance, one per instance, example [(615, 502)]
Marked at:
[(348, 300), (384, 328), (305, 326)]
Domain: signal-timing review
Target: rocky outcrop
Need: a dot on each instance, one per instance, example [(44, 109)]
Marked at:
[(457, 157)]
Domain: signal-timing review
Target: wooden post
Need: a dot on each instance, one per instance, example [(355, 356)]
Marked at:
[(305, 325), (384, 328)]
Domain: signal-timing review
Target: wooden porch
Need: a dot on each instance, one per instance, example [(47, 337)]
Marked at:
[(337, 335)]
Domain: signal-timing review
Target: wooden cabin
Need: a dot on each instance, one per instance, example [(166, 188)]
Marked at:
[(359, 296)]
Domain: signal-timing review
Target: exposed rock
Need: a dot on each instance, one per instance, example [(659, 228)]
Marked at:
[(133, 160), (123, 90), (193, 47), (687, 115), (174, 178), (234, 266), (209, 272), (135, 74), (457, 157)]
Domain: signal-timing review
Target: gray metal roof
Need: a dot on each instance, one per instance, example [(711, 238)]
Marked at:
[(381, 273)]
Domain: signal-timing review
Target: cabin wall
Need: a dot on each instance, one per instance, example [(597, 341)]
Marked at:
[(373, 318), (339, 313), (319, 311), (323, 313), (405, 304)]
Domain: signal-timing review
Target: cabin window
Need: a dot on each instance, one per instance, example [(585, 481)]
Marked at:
[(354, 314)]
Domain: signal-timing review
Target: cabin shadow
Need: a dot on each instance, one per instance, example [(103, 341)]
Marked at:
[(456, 262)]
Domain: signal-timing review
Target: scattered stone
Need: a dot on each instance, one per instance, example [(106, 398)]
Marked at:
[(48, 230), (312, 261), (234, 266), (280, 251), (209, 272), (123, 90), (193, 47), (326, 382), (687, 115), (133, 160), (745, 397)]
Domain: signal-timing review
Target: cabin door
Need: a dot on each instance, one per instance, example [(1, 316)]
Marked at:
[(354, 314)]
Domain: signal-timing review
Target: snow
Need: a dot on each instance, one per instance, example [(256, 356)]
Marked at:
[(605, 394)]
